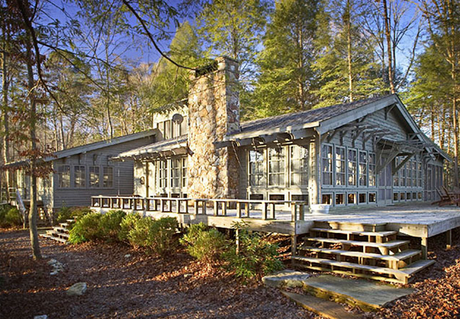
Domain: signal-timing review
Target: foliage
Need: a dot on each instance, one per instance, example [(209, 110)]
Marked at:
[(3, 211), (110, 225), (86, 228), (10, 216), (72, 213), (254, 257), (127, 224), (204, 244)]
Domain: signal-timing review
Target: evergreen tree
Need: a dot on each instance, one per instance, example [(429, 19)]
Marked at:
[(287, 79)]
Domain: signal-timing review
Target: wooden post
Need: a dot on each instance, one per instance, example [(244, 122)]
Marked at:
[(177, 206), (264, 211), (195, 206), (424, 247), (449, 239), (272, 211), (301, 212), (238, 209), (293, 212), (186, 206), (293, 247), (216, 208), (246, 209), (203, 207), (224, 208)]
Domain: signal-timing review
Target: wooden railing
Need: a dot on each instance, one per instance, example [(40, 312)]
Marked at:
[(216, 207)]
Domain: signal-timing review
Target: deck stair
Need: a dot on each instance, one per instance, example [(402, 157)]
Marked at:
[(362, 250), (59, 233)]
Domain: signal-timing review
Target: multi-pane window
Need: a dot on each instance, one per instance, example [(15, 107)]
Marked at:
[(362, 168), (94, 176), (299, 165), (184, 126), (63, 172), (107, 179), (372, 168), (79, 174), (326, 156), (276, 166), (352, 162), (419, 174), (162, 173), (340, 169), (167, 129), (256, 168), (175, 172), (184, 172)]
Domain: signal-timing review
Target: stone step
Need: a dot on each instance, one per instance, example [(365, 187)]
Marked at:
[(54, 238), (383, 248), (367, 227), (378, 236), (324, 308), (395, 261), (380, 273)]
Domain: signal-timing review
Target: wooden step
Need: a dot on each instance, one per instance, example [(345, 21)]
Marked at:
[(373, 272), (369, 227), (384, 248), (417, 266), (64, 225), (395, 261), (54, 238), (61, 229), (379, 236), (57, 234)]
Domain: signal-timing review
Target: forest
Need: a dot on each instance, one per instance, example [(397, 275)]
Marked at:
[(79, 71)]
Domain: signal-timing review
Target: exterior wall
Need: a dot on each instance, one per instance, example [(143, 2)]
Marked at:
[(167, 127), (214, 112), (123, 180)]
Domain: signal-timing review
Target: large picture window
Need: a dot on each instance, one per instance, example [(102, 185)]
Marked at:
[(276, 166), (63, 176), (107, 176), (184, 172), (372, 169), (94, 177), (352, 163), (299, 165), (162, 173), (79, 174), (326, 156), (175, 172), (340, 168), (256, 168)]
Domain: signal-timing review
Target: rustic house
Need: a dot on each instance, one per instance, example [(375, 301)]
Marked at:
[(368, 152), (85, 171)]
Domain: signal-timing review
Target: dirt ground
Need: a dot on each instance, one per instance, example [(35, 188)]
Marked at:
[(123, 283)]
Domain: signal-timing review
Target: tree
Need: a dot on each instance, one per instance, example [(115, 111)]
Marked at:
[(347, 67), (287, 79)]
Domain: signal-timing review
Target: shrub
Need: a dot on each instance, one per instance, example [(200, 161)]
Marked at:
[(109, 225), (155, 235), (129, 222), (86, 228), (13, 217), (255, 257), (63, 214), (204, 244), (72, 213)]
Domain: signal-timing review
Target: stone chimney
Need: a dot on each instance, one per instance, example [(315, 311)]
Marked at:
[(213, 112)]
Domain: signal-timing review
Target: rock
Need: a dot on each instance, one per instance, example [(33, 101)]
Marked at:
[(77, 289), (52, 261), (54, 272), (286, 279), (127, 255), (41, 317)]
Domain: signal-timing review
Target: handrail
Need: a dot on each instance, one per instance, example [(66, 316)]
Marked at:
[(218, 207)]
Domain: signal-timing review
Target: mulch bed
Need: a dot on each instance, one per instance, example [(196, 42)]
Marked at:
[(143, 286)]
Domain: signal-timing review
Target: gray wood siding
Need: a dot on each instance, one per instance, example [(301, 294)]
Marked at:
[(123, 180)]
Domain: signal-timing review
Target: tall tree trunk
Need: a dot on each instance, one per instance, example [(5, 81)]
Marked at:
[(350, 66), (386, 17), (33, 162), (5, 111)]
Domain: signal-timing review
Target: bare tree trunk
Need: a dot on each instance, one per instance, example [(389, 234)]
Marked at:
[(33, 165), (350, 66), (389, 47), (6, 129)]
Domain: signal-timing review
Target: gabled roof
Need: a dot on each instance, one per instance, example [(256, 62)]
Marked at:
[(323, 119), (90, 147)]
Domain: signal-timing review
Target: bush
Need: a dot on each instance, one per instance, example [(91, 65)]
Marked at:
[(127, 224), (110, 225), (86, 228), (72, 213), (155, 235), (204, 244), (13, 217), (255, 258)]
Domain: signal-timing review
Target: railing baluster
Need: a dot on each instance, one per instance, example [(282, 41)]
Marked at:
[(264, 210), (238, 209), (224, 208), (216, 208)]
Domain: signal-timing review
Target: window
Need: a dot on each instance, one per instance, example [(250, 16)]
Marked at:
[(352, 167), (339, 199), (63, 176), (326, 199), (351, 198), (326, 155), (362, 198), (176, 129), (372, 198), (419, 174), (108, 177), (184, 172), (362, 168), (162, 173), (184, 126), (299, 165), (167, 129), (256, 168), (372, 163), (340, 166), (79, 174), (276, 166), (94, 176), (175, 172)]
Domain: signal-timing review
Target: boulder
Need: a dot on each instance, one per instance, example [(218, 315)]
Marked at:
[(77, 289)]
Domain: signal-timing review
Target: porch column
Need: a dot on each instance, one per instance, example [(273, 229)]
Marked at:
[(314, 171)]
